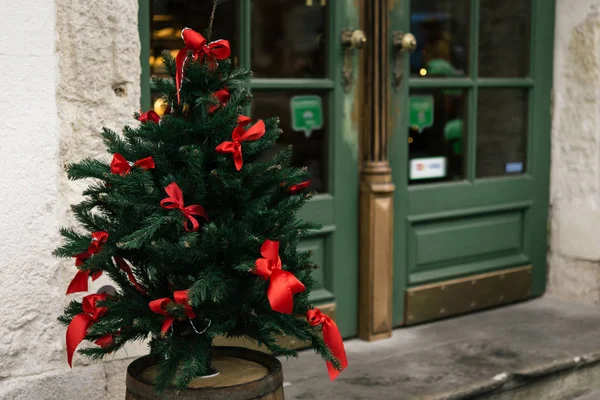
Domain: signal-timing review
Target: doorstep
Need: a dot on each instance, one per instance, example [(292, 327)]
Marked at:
[(541, 349)]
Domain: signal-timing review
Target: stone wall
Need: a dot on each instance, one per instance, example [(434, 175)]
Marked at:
[(574, 255), (69, 68), (29, 180)]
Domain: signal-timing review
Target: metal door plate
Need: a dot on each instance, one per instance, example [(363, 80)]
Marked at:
[(458, 296)]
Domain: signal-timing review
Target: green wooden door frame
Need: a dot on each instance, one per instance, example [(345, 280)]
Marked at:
[(337, 210), (527, 194)]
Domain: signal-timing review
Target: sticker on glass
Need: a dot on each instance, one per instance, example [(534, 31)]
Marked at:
[(421, 112), (427, 168), (513, 167), (307, 113)]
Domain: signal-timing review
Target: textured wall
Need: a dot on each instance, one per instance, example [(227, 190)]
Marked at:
[(29, 183), (574, 257), (68, 68)]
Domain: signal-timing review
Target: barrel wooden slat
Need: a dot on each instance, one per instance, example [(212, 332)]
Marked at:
[(244, 374)]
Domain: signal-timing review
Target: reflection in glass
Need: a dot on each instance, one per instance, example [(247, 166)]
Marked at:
[(288, 39), (169, 17), (501, 132), (441, 28), (310, 145), (504, 34), (437, 135)]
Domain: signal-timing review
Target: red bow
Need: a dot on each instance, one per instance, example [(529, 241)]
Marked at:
[(196, 43), (159, 307), (240, 135), (79, 325), (121, 166), (299, 187), (282, 284), (175, 200), (149, 115), (124, 266), (222, 96), (80, 281), (332, 338)]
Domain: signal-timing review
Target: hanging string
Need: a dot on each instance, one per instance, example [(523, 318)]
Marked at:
[(212, 19), (203, 330)]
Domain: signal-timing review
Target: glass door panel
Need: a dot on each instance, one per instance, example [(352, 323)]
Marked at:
[(441, 28), (288, 39), (309, 138), (504, 38), (437, 135), (502, 131)]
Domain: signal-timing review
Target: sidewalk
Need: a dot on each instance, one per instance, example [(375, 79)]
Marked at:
[(541, 349)]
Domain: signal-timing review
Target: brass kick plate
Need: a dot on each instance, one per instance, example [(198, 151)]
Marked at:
[(283, 341), (458, 296)]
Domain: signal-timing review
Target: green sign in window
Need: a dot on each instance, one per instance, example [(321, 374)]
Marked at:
[(307, 113), (421, 112)]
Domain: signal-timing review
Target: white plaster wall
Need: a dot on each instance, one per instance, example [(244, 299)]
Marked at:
[(29, 289), (69, 67), (574, 256)]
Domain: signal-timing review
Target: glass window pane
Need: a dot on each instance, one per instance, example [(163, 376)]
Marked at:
[(303, 118), (442, 31), (501, 132), (504, 34), (437, 135), (288, 38), (169, 17)]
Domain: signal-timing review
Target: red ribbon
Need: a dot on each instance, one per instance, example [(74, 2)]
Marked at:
[(121, 166), (80, 281), (222, 96), (332, 338), (79, 325), (175, 200), (124, 266), (149, 116), (105, 341), (159, 307), (299, 187), (240, 135), (282, 284), (196, 43)]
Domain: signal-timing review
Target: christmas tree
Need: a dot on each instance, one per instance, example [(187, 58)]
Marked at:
[(193, 218)]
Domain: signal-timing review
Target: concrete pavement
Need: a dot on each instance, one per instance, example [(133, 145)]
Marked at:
[(542, 349)]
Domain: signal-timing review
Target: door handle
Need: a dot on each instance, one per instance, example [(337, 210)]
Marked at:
[(351, 40), (403, 42)]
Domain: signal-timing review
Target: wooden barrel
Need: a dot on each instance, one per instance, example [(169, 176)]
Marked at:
[(244, 374)]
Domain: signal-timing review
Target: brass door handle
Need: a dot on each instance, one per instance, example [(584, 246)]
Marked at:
[(354, 38), (403, 42), (351, 40)]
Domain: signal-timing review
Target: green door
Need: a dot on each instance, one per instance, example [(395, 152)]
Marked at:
[(294, 51), (470, 154)]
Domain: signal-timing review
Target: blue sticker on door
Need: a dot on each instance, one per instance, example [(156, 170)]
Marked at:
[(513, 167)]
